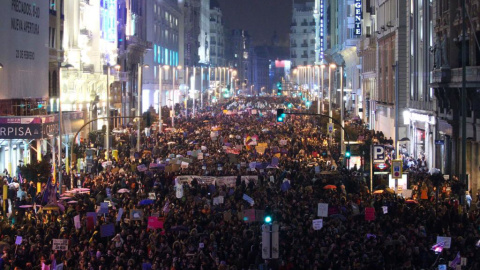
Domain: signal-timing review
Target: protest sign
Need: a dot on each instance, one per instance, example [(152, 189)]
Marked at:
[(60, 244), (18, 240), (317, 224), (322, 210), (107, 230), (136, 214), (249, 215), (76, 221), (385, 209), (92, 215), (155, 223), (369, 213), (446, 240), (119, 215)]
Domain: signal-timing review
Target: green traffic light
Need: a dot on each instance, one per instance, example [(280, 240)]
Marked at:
[(347, 154), (268, 219), (290, 105), (279, 119)]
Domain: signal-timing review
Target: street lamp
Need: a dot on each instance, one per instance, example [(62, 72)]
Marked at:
[(322, 66), (107, 154), (139, 101), (1, 66), (60, 120), (330, 111), (160, 96), (173, 93)]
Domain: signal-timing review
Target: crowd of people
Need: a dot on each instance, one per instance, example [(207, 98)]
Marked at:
[(179, 203)]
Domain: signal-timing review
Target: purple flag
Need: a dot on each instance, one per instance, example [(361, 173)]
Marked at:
[(456, 260)]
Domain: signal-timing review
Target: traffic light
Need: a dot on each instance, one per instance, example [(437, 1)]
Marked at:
[(280, 115), (268, 219), (290, 105), (279, 86), (347, 152)]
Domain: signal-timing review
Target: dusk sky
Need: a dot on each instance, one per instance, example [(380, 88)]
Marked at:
[(260, 18)]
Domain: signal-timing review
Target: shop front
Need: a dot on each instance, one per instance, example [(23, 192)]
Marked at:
[(27, 139)]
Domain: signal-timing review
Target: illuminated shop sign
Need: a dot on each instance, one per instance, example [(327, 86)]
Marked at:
[(358, 18), (321, 29), (109, 20)]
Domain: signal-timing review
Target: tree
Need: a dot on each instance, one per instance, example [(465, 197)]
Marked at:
[(38, 171)]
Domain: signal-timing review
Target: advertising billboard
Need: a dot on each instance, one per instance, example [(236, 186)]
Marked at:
[(24, 51)]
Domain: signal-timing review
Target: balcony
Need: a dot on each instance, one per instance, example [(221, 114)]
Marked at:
[(304, 45), (453, 77), (293, 24), (293, 45), (304, 56), (138, 42), (213, 42), (293, 56)]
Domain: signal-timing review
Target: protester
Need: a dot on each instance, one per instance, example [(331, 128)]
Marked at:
[(184, 205)]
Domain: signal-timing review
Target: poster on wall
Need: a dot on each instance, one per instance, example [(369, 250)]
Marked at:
[(24, 54)]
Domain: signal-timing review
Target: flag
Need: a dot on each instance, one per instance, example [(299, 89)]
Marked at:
[(248, 199), (438, 247), (20, 179), (166, 207), (456, 260)]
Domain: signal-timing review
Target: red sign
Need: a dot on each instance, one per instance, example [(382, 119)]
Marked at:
[(369, 213)]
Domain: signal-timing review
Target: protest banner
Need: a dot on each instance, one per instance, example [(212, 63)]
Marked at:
[(322, 210), (317, 224)]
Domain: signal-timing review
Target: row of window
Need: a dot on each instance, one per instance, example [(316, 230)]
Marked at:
[(165, 56), (168, 17)]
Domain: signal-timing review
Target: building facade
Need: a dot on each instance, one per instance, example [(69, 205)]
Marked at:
[(217, 36), (446, 82), (164, 19), (302, 34)]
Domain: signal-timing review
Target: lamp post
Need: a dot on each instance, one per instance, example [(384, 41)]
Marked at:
[(201, 87), (193, 90), (160, 96), (330, 111), (174, 70), (107, 132), (187, 89), (139, 101), (342, 112), (322, 66), (60, 121)]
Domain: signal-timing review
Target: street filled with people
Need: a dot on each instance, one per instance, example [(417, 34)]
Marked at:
[(195, 195)]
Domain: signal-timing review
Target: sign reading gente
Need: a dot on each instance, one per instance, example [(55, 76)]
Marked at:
[(358, 18)]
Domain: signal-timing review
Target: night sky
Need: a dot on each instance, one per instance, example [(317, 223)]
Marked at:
[(260, 18)]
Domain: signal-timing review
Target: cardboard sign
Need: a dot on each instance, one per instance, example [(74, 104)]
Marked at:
[(322, 210), (407, 193), (385, 209), (317, 224), (369, 213), (76, 221), (446, 240), (18, 240), (155, 223), (119, 215), (60, 244), (152, 196), (107, 230)]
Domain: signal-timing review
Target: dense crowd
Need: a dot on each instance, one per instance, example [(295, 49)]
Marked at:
[(286, 178)]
